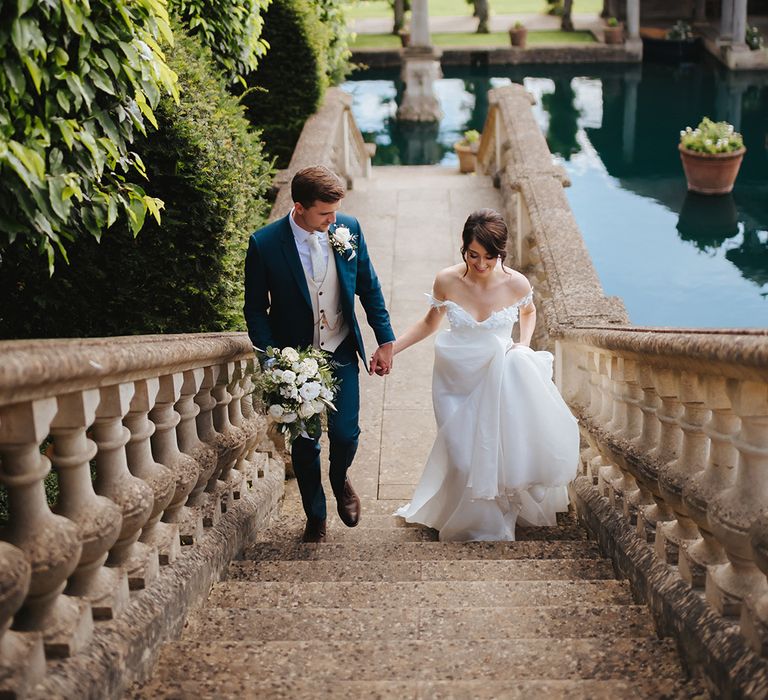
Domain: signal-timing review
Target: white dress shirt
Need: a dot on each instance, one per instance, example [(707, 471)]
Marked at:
[(301, 237)]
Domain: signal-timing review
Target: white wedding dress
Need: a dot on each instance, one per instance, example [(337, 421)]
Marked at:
[(507, 445)]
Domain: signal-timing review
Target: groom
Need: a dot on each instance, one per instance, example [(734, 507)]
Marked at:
[(301, 276)]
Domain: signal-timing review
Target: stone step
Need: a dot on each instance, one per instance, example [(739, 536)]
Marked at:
[(342, 534), (230, 689), (488, 570), (420, 551), (244, 666), (422, 594), (347, 624)]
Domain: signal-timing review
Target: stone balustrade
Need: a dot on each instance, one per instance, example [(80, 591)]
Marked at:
[(674, 421), (150, 438)]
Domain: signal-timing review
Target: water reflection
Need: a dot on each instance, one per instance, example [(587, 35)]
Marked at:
[(615, 130)]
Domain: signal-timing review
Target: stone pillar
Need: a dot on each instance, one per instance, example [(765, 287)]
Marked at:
[(191, 525), (732, 511), (754, 612), (421, 68), (50, 542), (214, 490), (705, 486), (726, 22), (739, 24), (165, 447), (633, 43), (98, 519), (113, 480), (22, 660), (240, 385), (674, 476), (164, 537)]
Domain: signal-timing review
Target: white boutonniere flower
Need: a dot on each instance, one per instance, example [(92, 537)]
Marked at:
[(343, 241)]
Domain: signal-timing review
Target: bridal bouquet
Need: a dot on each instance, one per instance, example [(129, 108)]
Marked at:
[(297, 387)]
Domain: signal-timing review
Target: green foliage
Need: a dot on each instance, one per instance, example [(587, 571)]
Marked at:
[(332, 15), (78, 80), (753, 38), (182, 276), (291, 79), (230, 28), (711, 137), (680, 31)]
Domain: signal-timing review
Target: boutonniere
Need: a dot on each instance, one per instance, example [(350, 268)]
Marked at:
[(343, 241)]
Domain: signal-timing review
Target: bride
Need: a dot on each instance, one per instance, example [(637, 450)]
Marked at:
[(506, 444)]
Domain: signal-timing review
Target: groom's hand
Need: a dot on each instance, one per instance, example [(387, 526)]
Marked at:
[(381, 360)]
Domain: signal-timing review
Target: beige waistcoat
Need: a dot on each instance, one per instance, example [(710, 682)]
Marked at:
[(330, 326)]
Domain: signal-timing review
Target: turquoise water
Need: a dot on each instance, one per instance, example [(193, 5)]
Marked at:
[(676, 259)]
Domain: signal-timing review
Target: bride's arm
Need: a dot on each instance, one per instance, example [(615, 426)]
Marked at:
[(527, 323), (420, 330)]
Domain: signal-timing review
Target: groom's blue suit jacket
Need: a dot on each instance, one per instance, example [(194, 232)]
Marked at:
[(278, 309)]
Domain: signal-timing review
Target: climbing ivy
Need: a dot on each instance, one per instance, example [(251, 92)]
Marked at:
[(231, 29), (78, 80)]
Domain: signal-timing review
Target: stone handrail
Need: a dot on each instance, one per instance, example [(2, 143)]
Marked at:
[(162, 465), (332, 138), (676, 420)]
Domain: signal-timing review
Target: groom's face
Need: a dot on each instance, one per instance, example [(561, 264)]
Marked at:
[(318, 217)]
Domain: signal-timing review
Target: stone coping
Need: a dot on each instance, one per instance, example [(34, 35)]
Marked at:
[(35, 369), (504, 55), (319, 144), (705, 641)]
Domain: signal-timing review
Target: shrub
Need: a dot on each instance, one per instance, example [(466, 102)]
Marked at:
[(231, 29), (77, 82), (182, 276), (308, 49), (711, 137)]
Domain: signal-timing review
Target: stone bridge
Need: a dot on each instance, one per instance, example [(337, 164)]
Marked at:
[(170, 565)]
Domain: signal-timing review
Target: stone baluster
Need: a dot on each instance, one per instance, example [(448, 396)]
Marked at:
[(732, 511), (634, 496), (644, 472), (607, 419), (165, 448), (237, 389), (675, 475), (191, 525), (232, 440), (22, 659), (214, 490), (258, 461), (164, 537), (114, 480), (754, 612), (591, 457), (50, 542), (98, 519), (702, 488)]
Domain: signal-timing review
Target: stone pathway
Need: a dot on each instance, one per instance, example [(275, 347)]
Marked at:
[(384, 610)]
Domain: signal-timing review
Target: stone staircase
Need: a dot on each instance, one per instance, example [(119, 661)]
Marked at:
[(385, 611)]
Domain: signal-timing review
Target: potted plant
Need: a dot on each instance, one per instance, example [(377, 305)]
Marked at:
[(753, 38), (518, 34), (613, 32), (466, 150), (711, 155)]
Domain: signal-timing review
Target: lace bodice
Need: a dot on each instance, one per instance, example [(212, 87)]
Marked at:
[(460, 318)]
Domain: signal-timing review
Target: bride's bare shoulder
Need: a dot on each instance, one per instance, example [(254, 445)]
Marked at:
[(517, 283), (446, 279)]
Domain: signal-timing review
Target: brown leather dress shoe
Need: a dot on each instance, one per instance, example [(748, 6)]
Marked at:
[(314, 530), (348, 505)]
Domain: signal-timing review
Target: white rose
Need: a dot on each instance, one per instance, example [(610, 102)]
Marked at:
[(310, 390), (290, 354), (300, 379), (318, 405), (326, 393), (276, 411), (289, 377), (310, 367), (289, 417), (343, 235), (306, 410), (276, 374)]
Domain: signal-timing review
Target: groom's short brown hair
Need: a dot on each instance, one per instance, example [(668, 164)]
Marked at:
[(316, 183)]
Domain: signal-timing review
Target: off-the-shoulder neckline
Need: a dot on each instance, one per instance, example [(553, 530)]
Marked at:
[(445, 302)]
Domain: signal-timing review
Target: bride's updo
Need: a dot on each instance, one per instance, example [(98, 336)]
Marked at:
[(487, 227)]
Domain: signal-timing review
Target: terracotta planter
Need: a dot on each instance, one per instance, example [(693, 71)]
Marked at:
[(518, 36), (711, 173), (467, 157), (613, 35)]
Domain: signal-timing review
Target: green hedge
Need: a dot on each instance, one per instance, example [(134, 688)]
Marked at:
[(290, 81), (185, 275)]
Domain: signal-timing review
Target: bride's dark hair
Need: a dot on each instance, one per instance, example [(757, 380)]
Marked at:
[(487, 227)]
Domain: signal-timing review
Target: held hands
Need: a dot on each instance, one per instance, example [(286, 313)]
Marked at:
[(382, 359)]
